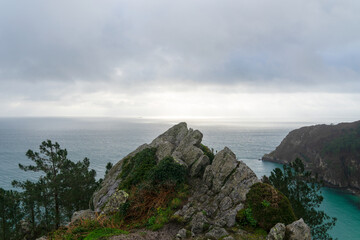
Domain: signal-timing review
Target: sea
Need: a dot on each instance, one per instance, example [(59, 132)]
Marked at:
[(105, 140)]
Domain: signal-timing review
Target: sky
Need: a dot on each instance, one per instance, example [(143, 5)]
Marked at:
[(280, 60)]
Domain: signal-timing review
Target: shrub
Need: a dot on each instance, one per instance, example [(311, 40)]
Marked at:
[(167, 172), (268, 206), (207, 152), (135, 169), (245, 217), (155, 190)]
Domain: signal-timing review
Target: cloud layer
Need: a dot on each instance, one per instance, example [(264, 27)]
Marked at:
[(74, 54)]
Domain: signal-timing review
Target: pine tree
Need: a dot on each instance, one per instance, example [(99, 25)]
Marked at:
[(64, 186), (10, 214), (304, 193), (50, 161), (77, 186)]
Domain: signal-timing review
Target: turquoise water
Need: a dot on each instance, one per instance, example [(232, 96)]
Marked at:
[(109, 140)]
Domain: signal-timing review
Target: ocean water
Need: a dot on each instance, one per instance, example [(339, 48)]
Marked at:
[(109, 140)]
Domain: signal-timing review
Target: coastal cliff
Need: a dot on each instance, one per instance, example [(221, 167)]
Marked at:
[(331, 151)]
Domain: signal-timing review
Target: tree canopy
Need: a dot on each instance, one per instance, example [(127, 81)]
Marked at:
[(304, 193), (62, 188)]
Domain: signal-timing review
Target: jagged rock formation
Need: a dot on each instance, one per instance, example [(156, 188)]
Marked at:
[(218, 186), (331, 151), (218, 189)]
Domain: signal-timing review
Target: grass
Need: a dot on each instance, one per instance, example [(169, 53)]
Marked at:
[(104, 232)]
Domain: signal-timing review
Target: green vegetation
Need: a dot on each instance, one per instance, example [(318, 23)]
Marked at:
[(143, 169), (264, 207), (104, 232), (89, 229), (304, 194), (167, 172), (208, 152), (155, 190), (245, 217), (135, 169), (10, 214), (268, 205), (62, 188), (348, 142)]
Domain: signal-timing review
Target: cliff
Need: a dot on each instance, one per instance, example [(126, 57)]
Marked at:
[(331, 151)]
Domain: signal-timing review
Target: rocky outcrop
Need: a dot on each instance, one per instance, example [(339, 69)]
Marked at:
[(331, 151), (220, 194), (179, 142), (218, 187)]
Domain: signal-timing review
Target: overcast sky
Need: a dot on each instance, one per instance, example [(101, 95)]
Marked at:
[(280, 59)]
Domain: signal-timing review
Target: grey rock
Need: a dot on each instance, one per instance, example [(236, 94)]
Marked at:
[(223, 165), (181, 234), (298, 230), (174, 135), (25, 226), (228, 238), (277, 232), (199, 165), (230, 216), (87, 214), (225, 203), (199, 223), (42, 238), (222, 190), (216, 233), (115, 202)]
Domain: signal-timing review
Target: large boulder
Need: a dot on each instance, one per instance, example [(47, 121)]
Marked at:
[(298, 230), (277, 232), (115, 201), (217, 233), (87, 214)]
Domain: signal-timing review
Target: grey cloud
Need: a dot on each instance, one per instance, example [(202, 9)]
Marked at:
[(266, 45)]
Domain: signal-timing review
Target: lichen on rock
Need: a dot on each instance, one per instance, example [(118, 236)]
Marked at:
[(115, 201)]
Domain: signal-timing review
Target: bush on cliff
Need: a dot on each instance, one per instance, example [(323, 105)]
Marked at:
[(167, 171), (135, 169), (152, 189), (209, 153), (266, 206)]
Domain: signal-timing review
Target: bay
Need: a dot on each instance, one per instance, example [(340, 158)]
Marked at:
[(105, 140)]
